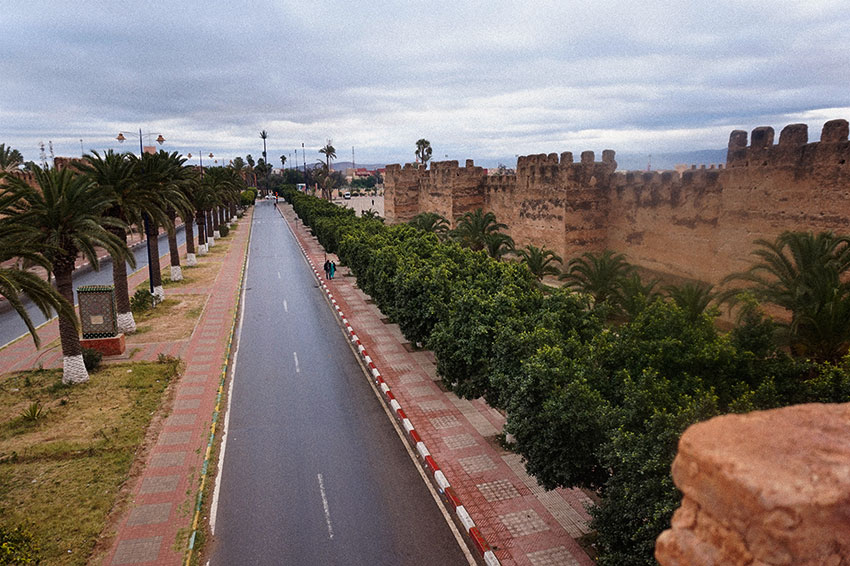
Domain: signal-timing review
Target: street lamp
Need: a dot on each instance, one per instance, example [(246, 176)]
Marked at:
[(160, 140)]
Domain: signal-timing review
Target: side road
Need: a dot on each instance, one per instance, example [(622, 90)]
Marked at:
[(154, 527), (523, 524)]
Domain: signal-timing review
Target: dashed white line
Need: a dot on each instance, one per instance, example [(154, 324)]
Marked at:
[(325, 505), (278, 274), (297, 369), (285, 306)]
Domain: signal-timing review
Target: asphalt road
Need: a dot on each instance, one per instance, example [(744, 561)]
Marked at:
[(313, 471), (11, 325)]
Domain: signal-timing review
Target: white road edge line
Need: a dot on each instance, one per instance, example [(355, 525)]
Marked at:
[(325, 505), (226, 423)]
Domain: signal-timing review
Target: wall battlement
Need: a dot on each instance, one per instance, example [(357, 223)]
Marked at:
[(661, 220)]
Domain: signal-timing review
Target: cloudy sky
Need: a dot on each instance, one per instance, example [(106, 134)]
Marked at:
[(483, 80)]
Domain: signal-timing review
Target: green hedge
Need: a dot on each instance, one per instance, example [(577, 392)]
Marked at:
[(590, 404)]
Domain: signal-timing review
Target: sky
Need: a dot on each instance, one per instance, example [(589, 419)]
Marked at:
[(480, 80)]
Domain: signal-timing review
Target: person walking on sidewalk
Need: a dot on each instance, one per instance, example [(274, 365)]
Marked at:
[(332, 270), (327, 268)]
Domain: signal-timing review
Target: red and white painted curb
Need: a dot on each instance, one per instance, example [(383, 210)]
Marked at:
[(431, 465)]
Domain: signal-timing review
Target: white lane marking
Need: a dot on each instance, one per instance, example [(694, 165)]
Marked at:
[(297, 369), (325, 505), (285, 306), (278, 274), (226, 424)]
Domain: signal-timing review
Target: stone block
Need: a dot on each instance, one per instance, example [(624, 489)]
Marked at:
[(769, 487), (114, 346)]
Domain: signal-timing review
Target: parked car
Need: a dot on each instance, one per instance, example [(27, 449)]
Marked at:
[(346, 195)]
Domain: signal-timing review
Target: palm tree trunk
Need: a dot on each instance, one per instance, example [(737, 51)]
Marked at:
[(73, 367), (202, 232), (210, 234), (173, 251), (152, 233), (216, 222), (190, 241), (126, 322)]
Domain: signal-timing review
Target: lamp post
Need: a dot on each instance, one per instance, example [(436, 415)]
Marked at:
[(160, 140)]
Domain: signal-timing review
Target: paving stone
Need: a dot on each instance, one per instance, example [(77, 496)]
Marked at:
[(167, 459), (558, 556), (159, 484), (190, 391), (498, 490), (448, 421), (174, 438), (523, 523), (421, 390), (458, 441), (432, 405), (187, 403), (477, 464), (149, 514), (181, 419), (410, 377), (135, 551)]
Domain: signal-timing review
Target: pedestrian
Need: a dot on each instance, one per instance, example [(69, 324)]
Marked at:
[(327, 268), (332, 269)]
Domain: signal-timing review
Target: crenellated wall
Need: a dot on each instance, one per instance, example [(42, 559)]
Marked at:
[(699, 225)]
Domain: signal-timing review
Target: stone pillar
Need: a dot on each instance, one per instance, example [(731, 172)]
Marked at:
[(767, 488)]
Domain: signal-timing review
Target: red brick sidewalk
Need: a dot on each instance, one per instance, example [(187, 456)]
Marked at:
[(524, 524)]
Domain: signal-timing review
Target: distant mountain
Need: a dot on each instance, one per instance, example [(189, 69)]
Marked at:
[(662, 161), (343, 165)]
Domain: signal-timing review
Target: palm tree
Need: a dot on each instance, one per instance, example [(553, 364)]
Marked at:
[(540, 261), (161, 173), (473, 227), (283, 161), (114, 173), (264, 136), (15, 281), (423, 151), (805, 274), (371, 215), (329, 153), (10, 159), (498, 244), (431, 222), (599, 276), (636, 294), (693, 298), (65, 217)]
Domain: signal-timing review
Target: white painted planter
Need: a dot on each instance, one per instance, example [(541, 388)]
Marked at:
[(176, 273), (126, 322), (74, 370), (202, 249), (191, 260), (210, 242), (159, 293), (216, 234)]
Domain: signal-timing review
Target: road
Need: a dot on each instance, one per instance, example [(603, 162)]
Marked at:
[(11, 325), (313, 470)]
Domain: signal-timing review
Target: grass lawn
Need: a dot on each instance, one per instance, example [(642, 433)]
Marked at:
[(61, 473)]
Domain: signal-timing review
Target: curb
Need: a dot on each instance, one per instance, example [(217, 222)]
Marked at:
[(443, 485)]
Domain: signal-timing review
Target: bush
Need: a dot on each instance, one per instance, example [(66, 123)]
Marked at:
[(223, 230), (141, 301), (92, 359), (17, 546)]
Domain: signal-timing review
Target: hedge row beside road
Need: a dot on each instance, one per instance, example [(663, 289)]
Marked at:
[(591, 404)]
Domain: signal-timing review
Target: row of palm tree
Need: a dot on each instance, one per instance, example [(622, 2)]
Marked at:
[(95, 204), (806, 274)]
